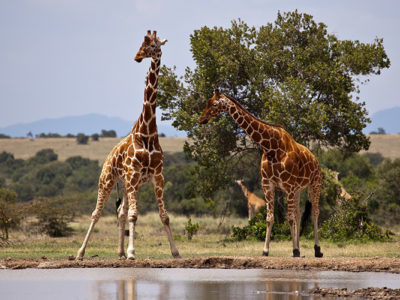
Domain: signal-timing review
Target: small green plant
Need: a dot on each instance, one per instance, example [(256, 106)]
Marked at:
[(256, 229), (191, 229)]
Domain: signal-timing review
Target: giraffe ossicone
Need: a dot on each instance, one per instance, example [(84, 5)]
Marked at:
[(135, 160), (285, 164)]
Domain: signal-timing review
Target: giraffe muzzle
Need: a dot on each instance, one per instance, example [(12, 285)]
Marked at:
[(203, 121)]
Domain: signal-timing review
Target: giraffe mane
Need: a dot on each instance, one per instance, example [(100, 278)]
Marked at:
[(234, 100)]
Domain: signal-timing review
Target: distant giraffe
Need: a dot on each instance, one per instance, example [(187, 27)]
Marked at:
[(343, 193), (135, 160), (285, 164), (254, 203)]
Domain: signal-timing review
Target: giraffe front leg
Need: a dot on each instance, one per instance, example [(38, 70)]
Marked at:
[(269, 192), (293, 223), (158, 184), (132, 218), (122, 215)]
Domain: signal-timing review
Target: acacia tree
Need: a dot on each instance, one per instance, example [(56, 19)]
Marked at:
[(291, 72)]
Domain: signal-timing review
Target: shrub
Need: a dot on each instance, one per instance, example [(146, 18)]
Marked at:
[(9, 212), (108, 133), (43, 156), (352, 222), (82, 139), (95, 137), (191, 229), (53, 217), (256, 229)]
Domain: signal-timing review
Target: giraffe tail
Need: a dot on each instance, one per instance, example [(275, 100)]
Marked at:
[(305, 217)]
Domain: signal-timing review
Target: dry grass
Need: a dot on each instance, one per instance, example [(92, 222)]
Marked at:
[(67, 147), (388, 145), (151, 242)]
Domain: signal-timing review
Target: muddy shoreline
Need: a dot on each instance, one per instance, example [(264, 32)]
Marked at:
[(350, 264)]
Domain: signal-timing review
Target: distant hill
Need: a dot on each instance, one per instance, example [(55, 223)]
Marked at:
[(87, 124), (388, 119)]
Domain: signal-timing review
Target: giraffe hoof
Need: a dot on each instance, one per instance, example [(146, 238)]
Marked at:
[(131, 257), (318, 252), (296, 253), (122, 257), (175, 254), (265, 253)]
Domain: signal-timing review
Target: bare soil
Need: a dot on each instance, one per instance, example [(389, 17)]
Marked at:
[(353, 264), (366, 293)]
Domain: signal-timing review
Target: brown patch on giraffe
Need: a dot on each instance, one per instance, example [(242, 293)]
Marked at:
[(285, 176), (153, 125), (255, 126), (155, 159), (240, 120), (266, 144), (256, 137), (149, 92), (274, 144)]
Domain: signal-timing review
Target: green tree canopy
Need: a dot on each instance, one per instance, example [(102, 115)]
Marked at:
[(291, 72)]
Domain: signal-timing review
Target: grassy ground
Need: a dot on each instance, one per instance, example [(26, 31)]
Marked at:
[(388, 145), (151, 242)]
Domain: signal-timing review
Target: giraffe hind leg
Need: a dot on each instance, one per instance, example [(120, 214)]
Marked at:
[(158, 184), (314, 193), (103, 193), (122, 216)]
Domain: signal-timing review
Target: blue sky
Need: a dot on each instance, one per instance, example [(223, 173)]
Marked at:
[(73, 57)]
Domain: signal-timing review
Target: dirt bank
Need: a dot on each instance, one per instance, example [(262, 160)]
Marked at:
[(369, 293), (372, 264)]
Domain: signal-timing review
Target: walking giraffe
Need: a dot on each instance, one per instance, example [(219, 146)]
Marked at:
[(135, 160), (254, 203), (285, 164)]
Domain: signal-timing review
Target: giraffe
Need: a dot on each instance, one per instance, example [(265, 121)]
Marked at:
[(343, 193), (135, 160), (254, 203), (285, 164)]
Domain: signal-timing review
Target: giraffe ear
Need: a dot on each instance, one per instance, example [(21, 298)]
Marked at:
[(163, 42)]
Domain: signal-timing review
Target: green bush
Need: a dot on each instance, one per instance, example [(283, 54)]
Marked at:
[(191, 229), (352, 222), (9, 211), (82, 139), (53, 217), (256, 229)]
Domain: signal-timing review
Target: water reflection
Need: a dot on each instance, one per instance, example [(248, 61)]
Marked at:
[(160, 284), (132, 290)]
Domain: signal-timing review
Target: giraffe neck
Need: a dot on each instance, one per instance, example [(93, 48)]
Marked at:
[(244, 189), (255, 128), (146, 124)]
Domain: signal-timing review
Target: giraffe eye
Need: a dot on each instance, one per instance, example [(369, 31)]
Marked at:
[(215, 104)]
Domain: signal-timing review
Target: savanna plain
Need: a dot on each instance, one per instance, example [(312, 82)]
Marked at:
[(211, 246)]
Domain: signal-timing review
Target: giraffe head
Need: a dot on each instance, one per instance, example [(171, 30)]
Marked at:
[(215, 105), (151, 46)]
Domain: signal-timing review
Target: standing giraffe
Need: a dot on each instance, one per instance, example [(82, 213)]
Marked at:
[(254, 203), (285, 164), (135, 160)]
